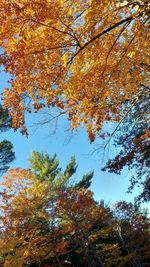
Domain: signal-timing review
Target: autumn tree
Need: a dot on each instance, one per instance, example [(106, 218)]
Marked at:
[(133, 138), (6, 148), (84, 57), (33, 225), (98, 240), (132, 228)]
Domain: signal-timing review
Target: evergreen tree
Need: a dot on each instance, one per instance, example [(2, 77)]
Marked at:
[(5, 120), (6, 148), (44, 166), (85, 182), (47, 168)]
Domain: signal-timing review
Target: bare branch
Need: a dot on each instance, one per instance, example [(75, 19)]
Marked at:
[(125, 115)]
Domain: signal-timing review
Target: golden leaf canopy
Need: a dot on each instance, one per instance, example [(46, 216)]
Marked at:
[(84, 57)]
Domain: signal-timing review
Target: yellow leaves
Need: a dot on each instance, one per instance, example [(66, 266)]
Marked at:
[(25, 254), (131, 54), (28, 34), (33, 207), (61, 2), (40, 42), (65, 59), (122, 3), (70, 11)]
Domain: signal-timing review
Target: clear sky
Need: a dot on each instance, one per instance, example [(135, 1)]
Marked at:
[(107, 186)]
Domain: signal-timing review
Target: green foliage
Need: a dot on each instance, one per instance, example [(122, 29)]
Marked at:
[(85, 182), (44, 166), (6, 148), (5, 120), (6, 155), (71, 168), (47, 168)]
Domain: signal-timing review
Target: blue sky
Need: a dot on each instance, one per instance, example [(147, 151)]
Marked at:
[(107, 186)]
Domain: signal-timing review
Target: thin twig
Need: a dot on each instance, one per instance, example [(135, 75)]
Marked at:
[(133, 104)]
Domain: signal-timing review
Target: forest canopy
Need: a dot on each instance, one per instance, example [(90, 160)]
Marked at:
[(48, 221), (85, 57)]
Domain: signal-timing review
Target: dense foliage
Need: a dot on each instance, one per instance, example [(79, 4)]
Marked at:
[(48, 221), (85, 57)]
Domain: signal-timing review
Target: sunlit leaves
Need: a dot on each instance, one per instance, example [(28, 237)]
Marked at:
[(93, 51)]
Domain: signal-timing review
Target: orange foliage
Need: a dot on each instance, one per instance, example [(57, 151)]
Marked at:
[(85, 57), (36, 218)]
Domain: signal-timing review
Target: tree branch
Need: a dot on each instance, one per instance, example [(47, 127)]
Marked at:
[(128, 19)]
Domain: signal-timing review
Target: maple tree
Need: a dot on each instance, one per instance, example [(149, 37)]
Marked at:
[(84, 57), (6, 148)]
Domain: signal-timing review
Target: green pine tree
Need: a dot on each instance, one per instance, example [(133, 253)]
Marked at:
[(86, 180), (47, 168), (44, 166)]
